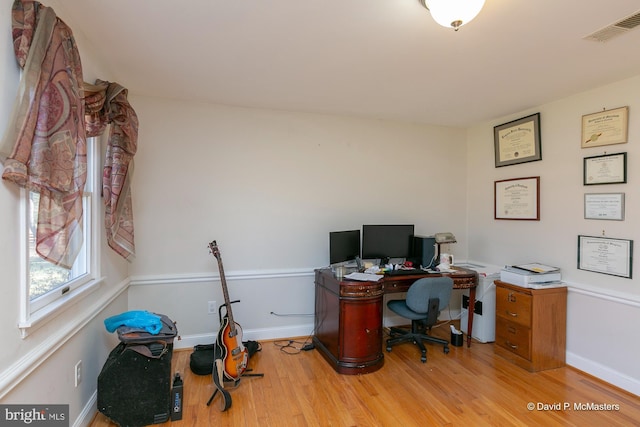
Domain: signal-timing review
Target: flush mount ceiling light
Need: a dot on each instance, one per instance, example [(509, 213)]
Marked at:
[(453, 13)]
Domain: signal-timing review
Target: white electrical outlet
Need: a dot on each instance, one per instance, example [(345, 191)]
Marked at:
[(212, 307), (78, 373)]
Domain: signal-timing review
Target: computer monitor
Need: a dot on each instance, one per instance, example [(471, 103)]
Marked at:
[(344, 246), (386, 241)]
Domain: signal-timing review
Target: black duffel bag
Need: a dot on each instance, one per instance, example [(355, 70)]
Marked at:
[(202, 357)]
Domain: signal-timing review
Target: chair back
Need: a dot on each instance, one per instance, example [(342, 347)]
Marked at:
[(426, 288)]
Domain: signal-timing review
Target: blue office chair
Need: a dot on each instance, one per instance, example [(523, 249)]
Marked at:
[(425, 299)]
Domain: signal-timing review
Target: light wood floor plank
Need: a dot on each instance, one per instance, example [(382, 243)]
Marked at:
[(468, 386)]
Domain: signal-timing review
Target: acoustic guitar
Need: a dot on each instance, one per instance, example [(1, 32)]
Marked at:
[(234, 355)]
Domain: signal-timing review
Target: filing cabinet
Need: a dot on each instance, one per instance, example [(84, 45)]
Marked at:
[(531, 325)]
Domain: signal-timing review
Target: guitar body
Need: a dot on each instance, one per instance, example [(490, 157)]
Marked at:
[(234, 354)]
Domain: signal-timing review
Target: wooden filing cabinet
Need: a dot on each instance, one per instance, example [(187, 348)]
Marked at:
[(531, 326)]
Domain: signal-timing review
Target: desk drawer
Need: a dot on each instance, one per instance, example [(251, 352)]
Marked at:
[(513, 306), (513, 337), (392, 286)]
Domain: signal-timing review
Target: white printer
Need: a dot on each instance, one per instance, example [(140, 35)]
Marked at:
[(531, 277)]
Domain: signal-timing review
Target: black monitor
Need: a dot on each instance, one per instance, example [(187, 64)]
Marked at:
[(386, 241), (344, 246)]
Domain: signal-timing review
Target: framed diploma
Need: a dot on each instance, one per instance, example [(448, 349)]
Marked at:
[(605, 255), (517, 198), (605, 169), (517, 141), (605, 128), (604, 206)]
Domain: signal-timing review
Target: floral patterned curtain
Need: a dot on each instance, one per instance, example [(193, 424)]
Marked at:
[(44, 146), (107, 103)]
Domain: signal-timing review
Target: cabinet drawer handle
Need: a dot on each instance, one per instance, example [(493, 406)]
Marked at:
[(513, 346), (511, 297), (511, 330), (511, 314)]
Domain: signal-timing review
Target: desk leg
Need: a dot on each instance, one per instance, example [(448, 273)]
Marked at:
[(472, 304)]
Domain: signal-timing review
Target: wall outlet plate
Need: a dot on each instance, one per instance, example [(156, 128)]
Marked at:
[(77, 372)]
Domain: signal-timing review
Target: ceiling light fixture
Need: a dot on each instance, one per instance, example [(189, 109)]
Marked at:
[(453, 13)]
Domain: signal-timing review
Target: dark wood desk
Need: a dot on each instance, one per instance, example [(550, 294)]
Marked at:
[(348, 316)]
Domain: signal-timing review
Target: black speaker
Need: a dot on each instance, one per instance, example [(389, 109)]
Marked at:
[(423, 251), (134, 386)]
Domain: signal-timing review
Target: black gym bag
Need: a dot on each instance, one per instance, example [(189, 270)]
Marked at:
[(202, 357)]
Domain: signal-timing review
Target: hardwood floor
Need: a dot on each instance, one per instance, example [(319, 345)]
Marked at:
[(468, 386)]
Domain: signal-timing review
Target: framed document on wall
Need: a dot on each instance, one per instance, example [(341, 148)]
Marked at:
[(518, 141), (605, 127), (517, 198), (605, 169), (605, 255), (604, 206)]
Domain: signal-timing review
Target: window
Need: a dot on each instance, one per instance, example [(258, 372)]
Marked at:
[(47, 288)]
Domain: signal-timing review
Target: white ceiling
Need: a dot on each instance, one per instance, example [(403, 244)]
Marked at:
[(372, 58)]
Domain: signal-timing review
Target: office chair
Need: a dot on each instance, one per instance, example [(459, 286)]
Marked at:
[(425, 299)]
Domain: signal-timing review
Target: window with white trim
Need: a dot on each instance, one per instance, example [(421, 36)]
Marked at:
[(46, 287)]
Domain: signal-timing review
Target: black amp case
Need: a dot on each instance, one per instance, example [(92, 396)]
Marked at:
[(134, 386)]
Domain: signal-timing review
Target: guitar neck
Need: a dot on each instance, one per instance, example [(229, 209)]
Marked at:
[(227, 302)]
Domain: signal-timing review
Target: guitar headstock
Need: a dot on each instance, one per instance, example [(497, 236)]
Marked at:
[(213, 247)]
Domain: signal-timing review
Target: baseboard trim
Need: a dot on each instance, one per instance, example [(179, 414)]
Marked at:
[(604, 373), (88, 412)]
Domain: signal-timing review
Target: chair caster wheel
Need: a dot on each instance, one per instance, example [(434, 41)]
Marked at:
[(388, 349), (423, 359), (446, 350)]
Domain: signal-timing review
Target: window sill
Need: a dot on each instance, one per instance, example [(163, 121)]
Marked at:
[(35, 320)]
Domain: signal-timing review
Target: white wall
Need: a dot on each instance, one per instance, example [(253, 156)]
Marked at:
[(269, 186), (602, 309), (39, 369)]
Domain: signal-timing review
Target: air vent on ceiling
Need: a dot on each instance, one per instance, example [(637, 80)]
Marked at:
[(613, 30)]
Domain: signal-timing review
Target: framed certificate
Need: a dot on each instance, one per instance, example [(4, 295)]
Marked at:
[(517, 141), (605, 169), (604, 206), (517, 198), (605, 255), (605, 128)]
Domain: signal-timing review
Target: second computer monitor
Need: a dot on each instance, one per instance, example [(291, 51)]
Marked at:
[(344, 246), (386, 241)]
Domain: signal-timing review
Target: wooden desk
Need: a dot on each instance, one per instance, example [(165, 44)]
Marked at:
[(348, 316)]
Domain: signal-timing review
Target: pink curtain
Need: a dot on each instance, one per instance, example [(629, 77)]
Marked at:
[(44, 146)]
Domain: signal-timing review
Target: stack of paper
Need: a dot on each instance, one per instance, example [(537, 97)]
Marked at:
[(363, 277)]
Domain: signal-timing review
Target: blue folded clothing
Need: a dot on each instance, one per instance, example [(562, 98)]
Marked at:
[(142, 319)]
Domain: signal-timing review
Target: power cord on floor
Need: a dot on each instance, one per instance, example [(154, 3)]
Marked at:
[(293, 346)]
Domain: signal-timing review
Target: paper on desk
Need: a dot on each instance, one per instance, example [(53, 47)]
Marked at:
[(363, 277)]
